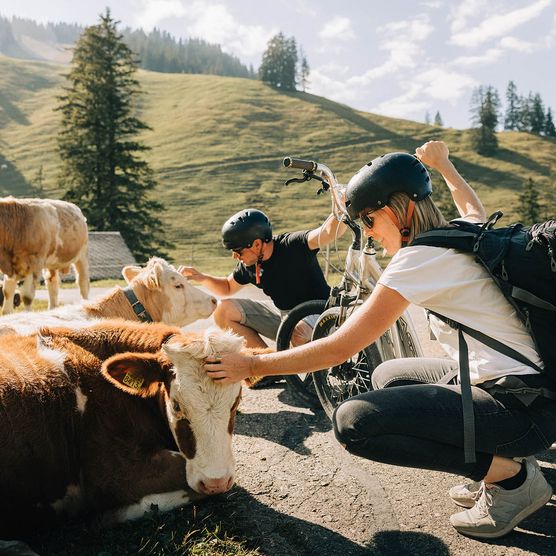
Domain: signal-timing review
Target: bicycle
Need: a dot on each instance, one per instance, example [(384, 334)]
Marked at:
[(360, 275)]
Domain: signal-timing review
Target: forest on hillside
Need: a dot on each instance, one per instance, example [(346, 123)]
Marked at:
[(156, 51)]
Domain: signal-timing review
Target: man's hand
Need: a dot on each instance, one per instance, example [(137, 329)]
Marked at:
[(434, 154), (191, 272)]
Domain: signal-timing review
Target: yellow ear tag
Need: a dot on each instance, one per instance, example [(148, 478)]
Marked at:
[(132, 382)]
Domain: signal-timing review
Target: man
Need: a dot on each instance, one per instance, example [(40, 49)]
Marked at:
[(284, 266)]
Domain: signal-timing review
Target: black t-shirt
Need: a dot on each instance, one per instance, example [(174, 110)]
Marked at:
[(291, 275)]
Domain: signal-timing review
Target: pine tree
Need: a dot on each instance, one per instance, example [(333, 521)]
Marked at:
[(511, 118), (427, 118), (529, 208), (549, 129), (303, 71), (537, 115), (525, 113), (102, 170), (438, 119), (485, 106), (278, 67)]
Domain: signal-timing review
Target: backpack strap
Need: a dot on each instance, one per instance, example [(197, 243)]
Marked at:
[(465, 381), (527, 297)]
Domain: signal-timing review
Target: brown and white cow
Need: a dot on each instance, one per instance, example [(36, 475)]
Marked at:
[(41, 235), (162, 291), (112, 418)]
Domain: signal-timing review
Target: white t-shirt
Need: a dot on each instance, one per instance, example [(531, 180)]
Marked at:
[(454, 285)]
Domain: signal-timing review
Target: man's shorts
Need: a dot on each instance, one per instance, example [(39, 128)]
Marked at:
[(263, 316)]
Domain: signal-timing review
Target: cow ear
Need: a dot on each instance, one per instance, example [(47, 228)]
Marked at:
[(154, 278), (129, 272), (193, 346), (138, 374)]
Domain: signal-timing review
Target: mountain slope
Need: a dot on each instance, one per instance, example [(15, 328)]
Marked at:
[(217, 145)]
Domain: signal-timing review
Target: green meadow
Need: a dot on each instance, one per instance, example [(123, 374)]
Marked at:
[(217, 145)]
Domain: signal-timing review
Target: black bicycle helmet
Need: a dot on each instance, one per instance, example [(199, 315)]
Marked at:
[(374, 184), (244, 227)]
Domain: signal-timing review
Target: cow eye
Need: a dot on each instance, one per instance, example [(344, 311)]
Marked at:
[(177, 407)]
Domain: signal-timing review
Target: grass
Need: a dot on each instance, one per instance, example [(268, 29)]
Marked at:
[(217, 145), (188, 531)]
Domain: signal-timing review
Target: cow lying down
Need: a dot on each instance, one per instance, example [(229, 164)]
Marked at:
[(111, 419), (162, 292)]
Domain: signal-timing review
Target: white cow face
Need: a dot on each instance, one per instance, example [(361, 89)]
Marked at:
[(201, 412), (167, 294), (204, 411)]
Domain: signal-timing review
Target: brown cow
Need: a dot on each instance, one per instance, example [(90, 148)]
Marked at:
[(162, 293), (41, 235), (112, 418)]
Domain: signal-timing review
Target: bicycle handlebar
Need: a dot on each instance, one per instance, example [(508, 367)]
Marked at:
[(309, 168), (300, 164)]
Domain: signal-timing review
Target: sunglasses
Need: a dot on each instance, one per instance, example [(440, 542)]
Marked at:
[(239, 251), (367, 220)]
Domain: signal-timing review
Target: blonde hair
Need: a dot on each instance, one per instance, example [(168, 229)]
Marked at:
[(426, 214)]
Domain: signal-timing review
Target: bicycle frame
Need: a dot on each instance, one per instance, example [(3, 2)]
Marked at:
[(361, 271)]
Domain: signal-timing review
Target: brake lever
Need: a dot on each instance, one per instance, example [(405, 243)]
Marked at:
[(307, 175), (297, 180)]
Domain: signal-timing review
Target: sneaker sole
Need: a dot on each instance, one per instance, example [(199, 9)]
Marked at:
[(526, 512)]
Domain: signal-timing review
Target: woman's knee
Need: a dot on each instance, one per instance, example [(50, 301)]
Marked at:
[(347, 422)]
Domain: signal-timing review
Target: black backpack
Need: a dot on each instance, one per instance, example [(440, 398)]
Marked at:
[(522, 262)]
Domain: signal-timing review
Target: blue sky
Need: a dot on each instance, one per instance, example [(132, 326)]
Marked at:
[(399, 58)]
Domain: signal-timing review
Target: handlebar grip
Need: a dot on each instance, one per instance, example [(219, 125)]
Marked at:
[(300, 164)]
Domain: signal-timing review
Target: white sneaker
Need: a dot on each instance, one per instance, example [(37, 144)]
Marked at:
[(498, 510), (467, 494)]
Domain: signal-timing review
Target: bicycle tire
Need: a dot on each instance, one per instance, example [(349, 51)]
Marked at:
[(338, 383), (302, 387)]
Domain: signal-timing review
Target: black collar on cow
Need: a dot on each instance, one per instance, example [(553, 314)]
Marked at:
[(137, 306)]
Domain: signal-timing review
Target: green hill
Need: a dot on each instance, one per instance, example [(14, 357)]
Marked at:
[(218, 142)]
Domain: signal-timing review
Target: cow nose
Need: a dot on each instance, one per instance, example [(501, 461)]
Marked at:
[(216, 486)]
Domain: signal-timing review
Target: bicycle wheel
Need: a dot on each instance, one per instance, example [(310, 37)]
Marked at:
[(336, 384), (301, 385)]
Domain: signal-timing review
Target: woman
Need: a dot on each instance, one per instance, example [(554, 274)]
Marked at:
[(415, 422)]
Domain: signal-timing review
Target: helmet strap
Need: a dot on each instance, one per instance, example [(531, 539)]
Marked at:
[(409, 215), (258, 265), (404, 229)]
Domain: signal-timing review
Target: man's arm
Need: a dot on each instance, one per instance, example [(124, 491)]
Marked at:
[(326, 233), (435, 154), (218, 285)]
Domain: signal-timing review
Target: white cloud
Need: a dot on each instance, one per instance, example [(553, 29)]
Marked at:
[(445, 84), (424, 90), (433, 4), (215, 23), (493, 26), (407, 105), (212, 22), (152, 12), (403, 43), (486, 58), (465, 10), (330, 87), (338, 28), (513, 43)]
